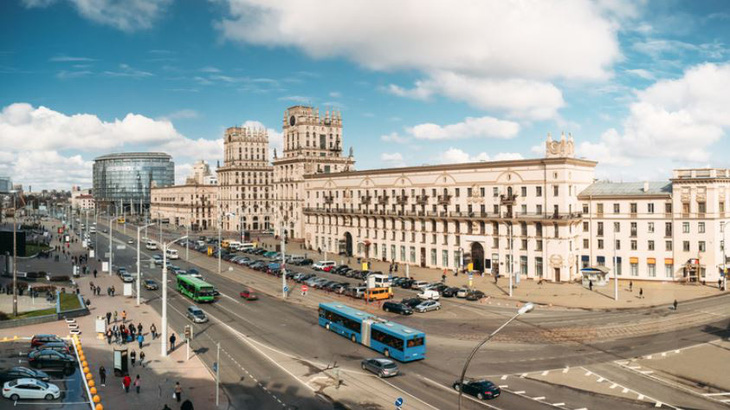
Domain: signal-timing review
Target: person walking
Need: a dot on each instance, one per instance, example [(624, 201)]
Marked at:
[(178, 392), (675, 304), (108, 317), (124, 316), (139, 328), (140, 339), (153, 330), (115, 315), (631, 286), (133, 357), (443, 278), (141, 358), (98, 290), (126, 382), (590, 285), (641, 293), (109, 336), (137, 383), (102, 376), (172, 343)]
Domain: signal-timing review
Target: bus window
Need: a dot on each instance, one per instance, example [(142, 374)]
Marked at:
[(386, 339), (416, 341)]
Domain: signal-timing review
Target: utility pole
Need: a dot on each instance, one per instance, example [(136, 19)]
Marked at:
[(511, 261), (15, 257), (615, 272), (724, 255), (163, 343), (218, 374), (111, 250), (283, 265)]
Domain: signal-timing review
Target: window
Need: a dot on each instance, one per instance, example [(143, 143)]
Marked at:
[(685, 227), (701, 227), (585, 243), (616, 208), (538, 245), (617, 227), (701, 207), (386, 339), (651, 227), (468, 192), (457, 192), (668, 245), (413, 254), (669, 270), (633, 206), (650, 208), (617, 245), (600, 229), (634, 269), (538, 267), (651, 270), (434, 262), (633, 229), (685, 246), (495, 243), (667, 229), (702, 246), (585, 226), (634, 245), (650, 245), (403, 253), (495, 192), (600, 244), (556, 190), (599, 208), (445, 258), (523, 191), (538, 191), (668, 208)]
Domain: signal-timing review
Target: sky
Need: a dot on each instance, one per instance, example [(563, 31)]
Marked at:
[(642, 86)]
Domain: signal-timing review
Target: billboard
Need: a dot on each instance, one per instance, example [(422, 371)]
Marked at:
[(6, 242)]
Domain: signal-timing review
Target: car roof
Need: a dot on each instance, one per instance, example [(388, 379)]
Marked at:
[(382, 360), (44, 335), (28, 380)]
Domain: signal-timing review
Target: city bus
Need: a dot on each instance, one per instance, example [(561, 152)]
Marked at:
[(391, 339), (196, 289)]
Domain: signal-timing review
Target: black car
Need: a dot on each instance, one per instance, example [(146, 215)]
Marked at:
[(60, 347), (21, 373), (304, 262), (449, 292), (481, 389), (475, 295), (395, 307), (51, 359), (406, 284), (150, 284), (412, 302)]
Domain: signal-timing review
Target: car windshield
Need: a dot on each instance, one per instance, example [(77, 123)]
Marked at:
[(198, 313), (42, 384)]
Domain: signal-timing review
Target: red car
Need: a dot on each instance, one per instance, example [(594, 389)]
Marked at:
[(39, 340), (249, 295), (328, 268)]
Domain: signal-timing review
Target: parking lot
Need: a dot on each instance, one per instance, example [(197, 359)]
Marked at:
[(14, 353)]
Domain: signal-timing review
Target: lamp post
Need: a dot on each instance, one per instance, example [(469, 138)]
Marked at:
[(511, 260), (615, 272), (111, 254), (527, 308), (283, 264), (723, 229), (15, 255), (163, 343), (220, 227), (139, 263)]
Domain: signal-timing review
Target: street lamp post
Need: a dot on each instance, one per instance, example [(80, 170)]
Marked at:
[(615, 272), (283, 265), (724, 254), (15, 256), (511, 261), (163, 343), (111, 251), (220, 227), (139, 263), (527, 308)]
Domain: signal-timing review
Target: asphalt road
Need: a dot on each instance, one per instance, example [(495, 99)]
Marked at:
[(292, 328)]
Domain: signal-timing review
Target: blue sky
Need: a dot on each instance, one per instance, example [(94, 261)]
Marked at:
[(642, 86)]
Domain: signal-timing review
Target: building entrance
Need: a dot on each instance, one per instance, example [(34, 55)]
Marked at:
[(477, 256)]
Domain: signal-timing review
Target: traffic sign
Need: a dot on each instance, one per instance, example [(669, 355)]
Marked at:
[(215, 366), (305, 288), (399, 401), (286, 288)]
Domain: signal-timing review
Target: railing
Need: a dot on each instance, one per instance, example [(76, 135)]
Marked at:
[(446, 214), (507, 199), (422, 199), (383, 200), (444, 199), (401, 200)]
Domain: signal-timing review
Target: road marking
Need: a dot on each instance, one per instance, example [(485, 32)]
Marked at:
[(625, 390), (717, 394), (538, 398), (566, 370), (455, 392), (639, 395), (504, 377), (613, 386), (658, 404), (503, 386), (523, 375), (544, 373), (558, 404), (519, 392)]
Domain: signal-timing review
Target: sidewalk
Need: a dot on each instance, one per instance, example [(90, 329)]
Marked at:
[(158, 376)]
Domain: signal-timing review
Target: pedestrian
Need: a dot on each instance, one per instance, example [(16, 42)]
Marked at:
[(102, 375), (140, 339), (109, 336), (631, 286), (114, 290), (137, 383), (133, 357), (141, 358), (124, 316), (641, 293), (153, 330), (675, 304), (108, 317), (98, 290), (115, 312), (172, 343), (187, 405), (126, 382), (719, 283), (590, 285), (178, 392), (139, 328)]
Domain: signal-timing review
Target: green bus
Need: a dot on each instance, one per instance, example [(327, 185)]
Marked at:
[(196, 289)]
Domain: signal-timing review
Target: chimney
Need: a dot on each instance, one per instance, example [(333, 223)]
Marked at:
[(646, 186)]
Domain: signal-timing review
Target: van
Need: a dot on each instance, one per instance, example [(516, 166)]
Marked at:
[(150, 245), (172, 254), (378, 294), (295, 258), (246, 247), (323, 264), (357, 292), (428, 294)]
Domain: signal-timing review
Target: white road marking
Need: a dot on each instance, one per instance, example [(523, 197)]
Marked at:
[(519, 392), (455, 392), (538, 398), (717, 394), (558, 404), (544, 373)]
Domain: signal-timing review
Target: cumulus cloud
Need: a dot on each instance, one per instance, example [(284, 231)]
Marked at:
[(480, 51), (185, 113), (679, 119), (481, 127), (394, 159), (50, 169), (456, 155), (125, 15)]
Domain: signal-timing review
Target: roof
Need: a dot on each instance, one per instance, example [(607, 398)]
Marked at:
[(134, 155), (612, 189)]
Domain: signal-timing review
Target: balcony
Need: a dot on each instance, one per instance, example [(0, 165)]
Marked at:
[(366, 200), (383, 200), (508, 199), (401, 200), (450, 215), (444, 199), (329, 200), (422, 200)]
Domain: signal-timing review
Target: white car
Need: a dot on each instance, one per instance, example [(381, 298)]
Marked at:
[(30, 389), (461, 293), (427, 305), (419, 284), (127, 277), (428, 294)]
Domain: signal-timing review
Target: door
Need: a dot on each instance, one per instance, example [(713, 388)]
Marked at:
[(557, 274), (365, 332), (423, 257), (477, 256)]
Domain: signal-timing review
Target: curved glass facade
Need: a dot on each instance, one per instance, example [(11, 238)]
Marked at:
[(123, 180)]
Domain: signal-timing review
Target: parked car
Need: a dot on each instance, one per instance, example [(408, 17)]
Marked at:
[(428, 305), (475, 295), (127, 277), (407, 283), (396, 307), (429, 295), (248, 294), (22, 372), (38, 340), (411, 302), (196, 314), (357, 292), (481, 389), (418, 284), (462, 292), (30, 389), (60, 347), (449, 292), (150, 284), (304, 262), (380, 366), (51, 359)]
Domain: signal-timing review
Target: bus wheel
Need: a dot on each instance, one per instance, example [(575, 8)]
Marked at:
[(327, 326), (353, 338), (386, 353)]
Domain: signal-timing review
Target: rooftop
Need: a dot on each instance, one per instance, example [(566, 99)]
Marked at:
[(134, 155), (605, 188)]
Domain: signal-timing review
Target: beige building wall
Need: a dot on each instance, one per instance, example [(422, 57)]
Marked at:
[(246, 180), (448, 216), (312, 145), (195, 206)]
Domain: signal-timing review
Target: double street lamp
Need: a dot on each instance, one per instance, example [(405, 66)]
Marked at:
[(220, 227), (164, 294), (527, 308), (139, 263)]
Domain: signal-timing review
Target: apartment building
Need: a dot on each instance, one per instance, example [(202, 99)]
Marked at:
[(194, 204)]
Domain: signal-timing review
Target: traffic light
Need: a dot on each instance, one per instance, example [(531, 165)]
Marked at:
[(188, 332)]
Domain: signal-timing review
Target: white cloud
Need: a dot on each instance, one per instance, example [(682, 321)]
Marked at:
[(641, 73), (64, 74), (456, 155), (66, 59), (679, 119), (657, 47), (37, 3), (483, 127), (276, 138), (125, 15), (210, 69), (394, 137), (297, 99), (181, 114), (126, 71), (335, 94), (492, 54), (49, 169), (394, 159)]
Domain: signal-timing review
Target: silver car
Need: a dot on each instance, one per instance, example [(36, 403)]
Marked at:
[(427, 305), (196, 314), (381, 367)]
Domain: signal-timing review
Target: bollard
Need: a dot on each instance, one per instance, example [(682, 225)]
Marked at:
[(99, 407), (97, 399)]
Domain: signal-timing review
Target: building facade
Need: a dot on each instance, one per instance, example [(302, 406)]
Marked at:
[(123, 181), (521, 215), (82, 199), (312, 146), (246, 180), (6, 185), (192, 205)]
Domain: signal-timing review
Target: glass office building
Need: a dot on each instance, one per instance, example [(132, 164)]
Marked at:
[(122, 181), (6, 185)]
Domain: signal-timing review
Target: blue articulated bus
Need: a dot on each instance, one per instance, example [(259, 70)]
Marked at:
[(391, 339)]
